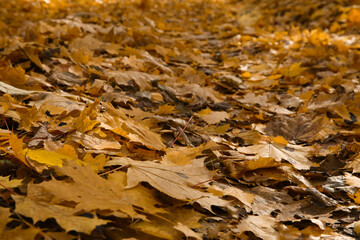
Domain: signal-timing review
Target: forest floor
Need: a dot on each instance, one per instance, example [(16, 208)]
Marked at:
[(179, 119)]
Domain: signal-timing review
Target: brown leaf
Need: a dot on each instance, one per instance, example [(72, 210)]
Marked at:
[(302, 127), (262, 226), (175, 181), (294, 154), (65, 217), (91, 191)]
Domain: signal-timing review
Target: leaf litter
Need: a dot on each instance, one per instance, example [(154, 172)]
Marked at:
[(179, 119)]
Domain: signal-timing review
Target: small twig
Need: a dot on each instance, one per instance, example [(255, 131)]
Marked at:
[(9, 189), (114, 170), (7, 126), (210, 180), (186, 139), (25, 54), (183, 130)]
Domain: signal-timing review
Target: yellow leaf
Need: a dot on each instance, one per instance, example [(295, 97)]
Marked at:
[(7, 101), (205, 111), (97, 162), (222, 129), (279, 139), (120, 131), (319, 38), (46, 157), (12, 75), (295, 70), (16, 145), (356, 197), (353, 17), (274, 77), (68, 150), (165, 109), (246, 75), (80, 57), (85, 122)]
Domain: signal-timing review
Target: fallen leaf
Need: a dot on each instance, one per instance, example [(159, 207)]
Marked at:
[(212, 117), (5, 182), (65, 217), (46, 157), (294, 154), (91, 191), (261, 226), (187, 231), (175, 181)]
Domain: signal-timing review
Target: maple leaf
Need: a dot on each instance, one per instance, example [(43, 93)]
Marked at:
[(13, 76), (139, 196), (212, 117), (175, 181), (4, 218), (184, 155), (91, 191), (143, 80), (302, 127), (66, 217), (244, 197), (19, 233), (85, 122), (261, 226), (46, 157), (183, 220), (5, 182), (117, 122), (17, 146), (279, 149)]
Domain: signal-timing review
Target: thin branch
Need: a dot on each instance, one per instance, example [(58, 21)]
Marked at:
[(25, 54), (114, 170), (210, 180), (7, 126), (181, 132), (9, 189)]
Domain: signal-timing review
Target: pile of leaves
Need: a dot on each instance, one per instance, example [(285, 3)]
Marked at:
[(179, 119)]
